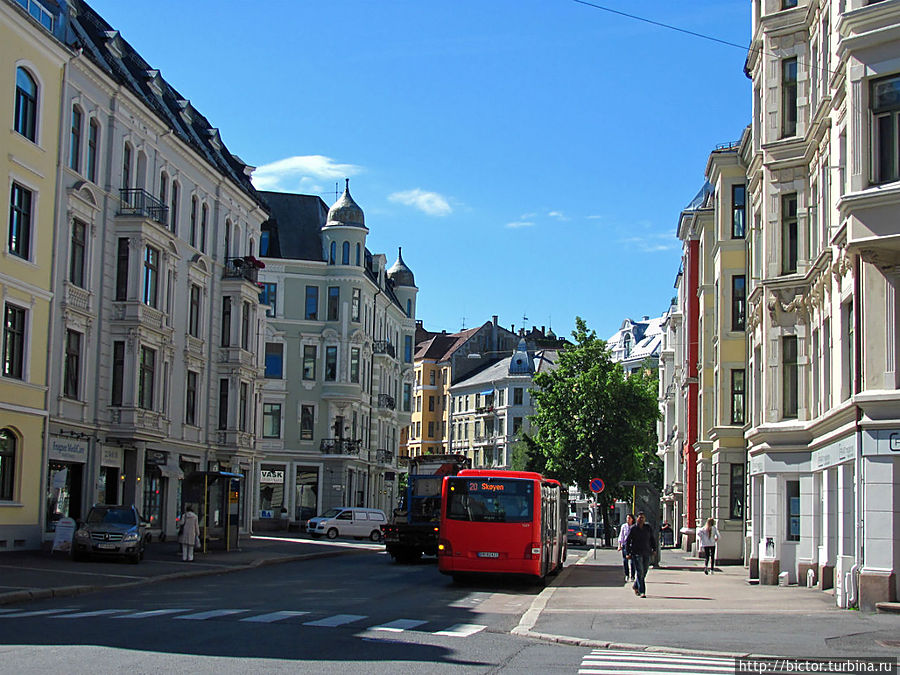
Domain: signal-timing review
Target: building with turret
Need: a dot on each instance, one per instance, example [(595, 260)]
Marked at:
[(338, 344)]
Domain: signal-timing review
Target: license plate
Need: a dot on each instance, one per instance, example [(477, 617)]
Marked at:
[(488, 554), (107, 546)]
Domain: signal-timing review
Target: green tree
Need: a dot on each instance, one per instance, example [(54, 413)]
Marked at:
[(591, 420)]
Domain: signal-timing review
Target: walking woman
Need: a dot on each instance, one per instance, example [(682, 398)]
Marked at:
[(708, 536), (623, 537), (189, 534)]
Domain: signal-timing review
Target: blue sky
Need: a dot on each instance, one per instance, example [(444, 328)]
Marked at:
[(530, 156)]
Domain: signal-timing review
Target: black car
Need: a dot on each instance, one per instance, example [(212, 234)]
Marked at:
[(575, 534), (111, 530)]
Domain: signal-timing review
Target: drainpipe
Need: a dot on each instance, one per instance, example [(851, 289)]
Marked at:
[(371, 380), (853, 586)]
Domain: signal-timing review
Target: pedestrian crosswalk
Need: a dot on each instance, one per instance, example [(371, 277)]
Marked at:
[(303, 617), (616, 662)]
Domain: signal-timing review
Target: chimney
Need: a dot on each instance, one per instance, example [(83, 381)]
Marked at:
[(543, 330), (494, 333), (646, 317)]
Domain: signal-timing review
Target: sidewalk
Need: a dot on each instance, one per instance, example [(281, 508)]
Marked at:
[(687, 611), (33, 575)]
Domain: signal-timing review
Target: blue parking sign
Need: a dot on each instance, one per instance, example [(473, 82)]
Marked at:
[(597, 485)]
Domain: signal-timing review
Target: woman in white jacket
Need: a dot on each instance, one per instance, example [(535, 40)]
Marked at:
[(189, 534), (708, 536)]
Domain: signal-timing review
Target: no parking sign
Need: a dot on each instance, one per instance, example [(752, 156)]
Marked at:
[(597, 485)]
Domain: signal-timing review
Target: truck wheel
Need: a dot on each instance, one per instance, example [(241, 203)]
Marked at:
[(375, 536), (332, 533)]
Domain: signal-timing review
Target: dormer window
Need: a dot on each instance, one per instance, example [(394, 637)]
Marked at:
[(39, 12), (626, 343)]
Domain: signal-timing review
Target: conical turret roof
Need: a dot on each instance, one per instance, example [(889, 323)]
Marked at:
[(399, 273), (345, 212)]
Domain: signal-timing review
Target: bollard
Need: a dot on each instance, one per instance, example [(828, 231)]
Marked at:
[(810, 578)]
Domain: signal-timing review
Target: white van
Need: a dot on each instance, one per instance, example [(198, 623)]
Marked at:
[(348, 522)]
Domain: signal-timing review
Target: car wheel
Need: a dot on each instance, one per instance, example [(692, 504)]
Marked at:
[(78, 557), (332, 533), (135, 558), (375, 536)]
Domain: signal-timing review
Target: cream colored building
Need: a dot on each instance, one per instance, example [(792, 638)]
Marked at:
[(31, 77)]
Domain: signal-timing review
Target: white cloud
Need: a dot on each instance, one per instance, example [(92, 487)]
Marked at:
[(559, 215), (429, 203), (652, 242), (520, 223), (301, 172)]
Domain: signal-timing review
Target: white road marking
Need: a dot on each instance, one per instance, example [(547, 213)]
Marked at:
[(38, 612), (613, 662), (211, 614), (151, 613), (273, 616), (462, 630), (336, 620), (97, 612), (399, 625)]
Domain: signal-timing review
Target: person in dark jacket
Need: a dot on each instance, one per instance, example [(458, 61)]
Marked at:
[(639, 546)]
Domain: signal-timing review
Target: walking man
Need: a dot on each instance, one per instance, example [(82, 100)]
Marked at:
[(639, 546)]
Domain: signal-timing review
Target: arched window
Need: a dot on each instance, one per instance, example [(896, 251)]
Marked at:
[(194, 221), (227, 239), (173, 209), (345, 253), (357, 255), (163, 187), (204, 216), (75, 139), (7, 465), (26, 104), (333, 254), (409, 308), (93, 144), (627, 344), (126, 166)]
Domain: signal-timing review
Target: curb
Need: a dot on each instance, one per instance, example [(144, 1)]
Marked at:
[(14, 597)]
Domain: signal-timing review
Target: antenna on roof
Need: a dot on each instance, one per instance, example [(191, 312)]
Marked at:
[(337, 192), (524, 318), (463, 323)]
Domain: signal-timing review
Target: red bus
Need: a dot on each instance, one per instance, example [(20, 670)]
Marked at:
[(502, 522)]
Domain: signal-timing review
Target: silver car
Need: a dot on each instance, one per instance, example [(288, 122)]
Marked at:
[(111, 530)]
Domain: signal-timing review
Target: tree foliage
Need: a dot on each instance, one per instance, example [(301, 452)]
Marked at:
[(591, 421)]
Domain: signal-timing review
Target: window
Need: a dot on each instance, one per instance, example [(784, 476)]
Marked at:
[(38, 12), (431, 429), (244, 390), (330, 364), (787, 4), (789, 251), (626, 344), (223, 403), (789, 97), (848, 351), (7, 465), (431, 381), (307, 415), (310, 355), (792, 494), (122, 270), (738, 301), (20, 203), (93, 142), (226, 321), (145, 382), (14, 342), (354, 305), (407, 348), (738, 392), (26, 105), (76, 253), (204, 216), (126, 166), (789, 375), (274, 360), (312, 303), (334, 301), (75, 139), (354, 365), (190, 399), (409, 308), (357, 254), (163, 187), (271, 420), (264, 238), (151, 276), (228, 239), (885, 102), (517, 424), (518, 396), (193, 232), (407, 396), (738, 211), (72, 371), (736, 501), (118, 373), (345, 253), (194, 311), (245, 325), (269, 296), (332, 253)]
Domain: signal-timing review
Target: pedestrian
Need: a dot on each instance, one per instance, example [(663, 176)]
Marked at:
[(623, 536), (639, 546), (708, 536), (188, 533)]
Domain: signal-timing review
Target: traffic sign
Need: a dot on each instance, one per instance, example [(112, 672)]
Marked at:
[(597, 485)]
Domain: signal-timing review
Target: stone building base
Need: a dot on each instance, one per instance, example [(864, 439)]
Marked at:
[(753, 571), (826, 577), (769, 571), (803, 570), (876, 587)]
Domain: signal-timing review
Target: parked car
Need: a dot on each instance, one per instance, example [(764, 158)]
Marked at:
[(575, 534), (348, 522), (113, 531)]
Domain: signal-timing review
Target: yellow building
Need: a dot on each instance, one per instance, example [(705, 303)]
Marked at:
[(31, 78)]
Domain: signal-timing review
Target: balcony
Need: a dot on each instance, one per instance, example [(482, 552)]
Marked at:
[(138, 202), (246, 268), (384, 456), (339, 446), (485, 410), (383, 347), (485, 440), (386, 401)]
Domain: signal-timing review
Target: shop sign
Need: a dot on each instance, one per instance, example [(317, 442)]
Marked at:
[(59, 479), (62, 539), (834, 453), (271, 476), (155, 457), (112, 457), (265, 514), (68, 450)]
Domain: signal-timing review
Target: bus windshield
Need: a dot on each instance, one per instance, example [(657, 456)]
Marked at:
[(490, 500)]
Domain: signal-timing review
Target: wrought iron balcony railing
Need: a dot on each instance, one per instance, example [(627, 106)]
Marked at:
[(384, 347), (138, 202), (339, 446), (386, 401), (241, 268), (384, 456)]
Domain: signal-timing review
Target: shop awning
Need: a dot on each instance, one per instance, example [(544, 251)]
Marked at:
[(171, 472)]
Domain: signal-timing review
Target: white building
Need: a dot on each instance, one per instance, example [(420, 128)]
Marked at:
[(637, 343)]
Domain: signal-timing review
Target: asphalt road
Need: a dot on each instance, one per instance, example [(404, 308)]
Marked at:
[(357, 613)]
